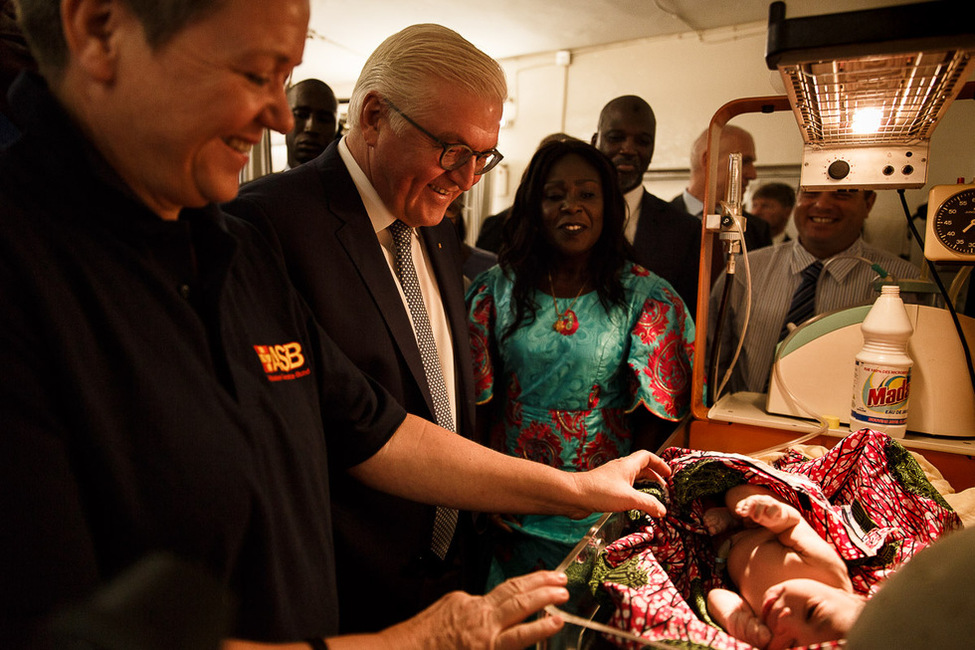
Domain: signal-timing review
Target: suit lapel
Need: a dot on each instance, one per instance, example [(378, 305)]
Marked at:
[(645, 227), (358, 240), (678, 202)]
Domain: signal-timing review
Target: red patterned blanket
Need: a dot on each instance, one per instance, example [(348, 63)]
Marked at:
[(867, 496)]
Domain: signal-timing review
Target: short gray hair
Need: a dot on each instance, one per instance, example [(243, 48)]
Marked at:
[(403, 66)]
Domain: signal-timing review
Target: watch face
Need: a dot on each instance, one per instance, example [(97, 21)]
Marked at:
[(954, 222)]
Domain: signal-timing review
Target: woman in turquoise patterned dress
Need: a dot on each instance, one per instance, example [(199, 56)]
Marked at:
[(580, 355)]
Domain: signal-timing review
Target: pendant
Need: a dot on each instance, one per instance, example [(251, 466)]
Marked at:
[(566, 324)]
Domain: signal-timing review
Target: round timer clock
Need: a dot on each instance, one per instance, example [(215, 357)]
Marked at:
[(950, 232)]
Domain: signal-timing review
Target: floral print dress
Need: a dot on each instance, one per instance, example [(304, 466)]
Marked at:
[(563, 396)]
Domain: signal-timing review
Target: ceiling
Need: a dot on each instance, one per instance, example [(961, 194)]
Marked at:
[(342, 34)]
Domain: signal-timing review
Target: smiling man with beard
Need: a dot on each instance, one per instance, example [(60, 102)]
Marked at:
[(830, 226), (666, 240)]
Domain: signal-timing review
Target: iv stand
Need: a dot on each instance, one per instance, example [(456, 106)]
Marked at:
[(733, 108)]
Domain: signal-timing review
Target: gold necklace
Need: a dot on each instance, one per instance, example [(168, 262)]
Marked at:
[(566, 322)]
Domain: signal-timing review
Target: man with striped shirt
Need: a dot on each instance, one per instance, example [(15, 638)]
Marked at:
[(830, 225)]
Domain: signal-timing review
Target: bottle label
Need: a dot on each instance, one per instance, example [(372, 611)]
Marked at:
[(880, 394)]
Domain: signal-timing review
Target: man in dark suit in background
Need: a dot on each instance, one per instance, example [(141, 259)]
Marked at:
[(733, 140), (773, 204), (666, 240), (316, 113), (419, 134)]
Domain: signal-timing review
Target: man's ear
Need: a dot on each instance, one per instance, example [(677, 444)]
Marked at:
[(370, 117), (869, 197), (89, 30), (702, 157)]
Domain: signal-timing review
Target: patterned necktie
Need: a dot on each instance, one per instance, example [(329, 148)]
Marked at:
[(446, 518), (803, 302)]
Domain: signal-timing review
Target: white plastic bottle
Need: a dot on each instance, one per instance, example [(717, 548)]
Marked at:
[(882, 379)]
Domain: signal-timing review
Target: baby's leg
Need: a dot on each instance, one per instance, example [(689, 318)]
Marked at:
[(737, 618), (793, 532), (769, 512)]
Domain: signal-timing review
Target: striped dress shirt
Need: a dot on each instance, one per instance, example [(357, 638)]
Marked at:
[(776, 271)]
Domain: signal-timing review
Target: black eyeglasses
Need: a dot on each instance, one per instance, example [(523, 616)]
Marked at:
[(456, 155)]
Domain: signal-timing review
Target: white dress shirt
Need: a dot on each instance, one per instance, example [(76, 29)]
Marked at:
[(634, 200), (381, 219), (693, 205)]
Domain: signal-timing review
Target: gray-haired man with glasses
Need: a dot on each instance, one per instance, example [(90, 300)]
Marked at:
[(455, 154), (364, 236)]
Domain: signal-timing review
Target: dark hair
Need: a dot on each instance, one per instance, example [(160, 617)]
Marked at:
[(40, 21), (15, 54), (780, 192), (525, 254)]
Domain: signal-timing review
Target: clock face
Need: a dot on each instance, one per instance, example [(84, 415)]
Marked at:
[(953, 222)]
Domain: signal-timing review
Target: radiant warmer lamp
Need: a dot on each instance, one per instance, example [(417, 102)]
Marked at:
[(868, 88)]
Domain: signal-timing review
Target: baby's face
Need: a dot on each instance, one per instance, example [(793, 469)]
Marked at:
[(801, 612)]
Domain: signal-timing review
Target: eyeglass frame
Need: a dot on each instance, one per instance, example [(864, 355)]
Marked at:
[(497, 156)]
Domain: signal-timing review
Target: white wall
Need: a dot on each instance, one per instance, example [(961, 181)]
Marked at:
[(686, 78)]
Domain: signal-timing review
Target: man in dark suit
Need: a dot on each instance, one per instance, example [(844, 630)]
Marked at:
[(773, 203), (734, 139), (419, 134), (316, 112), (666, 240)]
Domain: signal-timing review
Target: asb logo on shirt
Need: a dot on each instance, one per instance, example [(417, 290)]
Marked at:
[(282, 362)]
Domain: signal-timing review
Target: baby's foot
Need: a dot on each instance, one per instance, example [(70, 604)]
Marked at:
[(718, 520), (767, 511)]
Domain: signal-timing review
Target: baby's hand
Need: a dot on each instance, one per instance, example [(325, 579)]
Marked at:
[(755, 632), (767, 511), (718, 520), (737, 618)]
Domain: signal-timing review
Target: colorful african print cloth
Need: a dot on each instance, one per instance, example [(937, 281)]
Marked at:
[(867, 496)]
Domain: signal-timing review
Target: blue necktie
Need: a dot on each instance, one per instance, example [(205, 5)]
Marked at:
[(803, 304)]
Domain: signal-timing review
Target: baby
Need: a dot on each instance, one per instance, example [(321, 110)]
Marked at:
[(794, 587)]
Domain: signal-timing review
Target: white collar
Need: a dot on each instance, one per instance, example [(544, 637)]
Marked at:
[(692, 204), (379, 214), (633, 199), (841, 265)]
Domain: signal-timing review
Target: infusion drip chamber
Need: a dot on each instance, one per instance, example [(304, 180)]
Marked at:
[(882, 378)]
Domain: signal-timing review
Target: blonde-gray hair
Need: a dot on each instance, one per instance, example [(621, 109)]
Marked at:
[(404, 66)]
